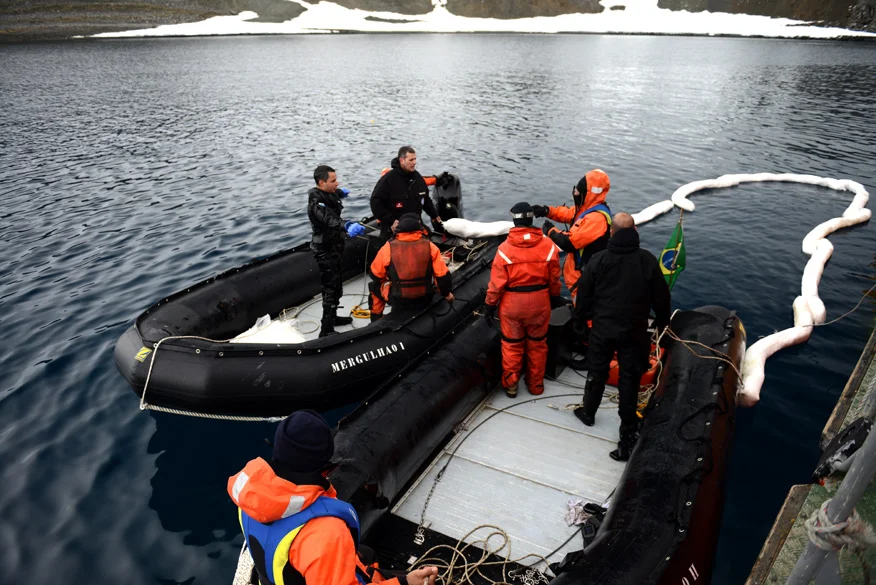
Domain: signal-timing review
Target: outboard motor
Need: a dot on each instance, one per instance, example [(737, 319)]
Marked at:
[(448, 196)]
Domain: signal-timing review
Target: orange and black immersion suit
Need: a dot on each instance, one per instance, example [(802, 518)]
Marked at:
[(403, 273), (589, 232), (524, 277), (296, 529)]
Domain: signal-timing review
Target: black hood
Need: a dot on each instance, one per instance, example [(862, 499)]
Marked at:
[(395, 165), (624, 241)]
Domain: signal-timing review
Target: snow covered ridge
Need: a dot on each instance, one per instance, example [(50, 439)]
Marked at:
[(636, 17)]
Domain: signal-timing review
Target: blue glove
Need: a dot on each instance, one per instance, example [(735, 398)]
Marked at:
[(343, 193), (354, 229)]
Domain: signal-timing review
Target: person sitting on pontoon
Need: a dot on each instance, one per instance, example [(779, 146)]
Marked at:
[(288, 510), (405, 268)]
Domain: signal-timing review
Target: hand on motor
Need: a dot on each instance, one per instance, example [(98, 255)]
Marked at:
[(422, 576), (437, 219), (547, 227), (540, 210), (449, 298), (354, 229), (394, 226), (489, 313)]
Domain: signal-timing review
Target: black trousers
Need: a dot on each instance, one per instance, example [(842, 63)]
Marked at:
[(331, 278), (632, 360)]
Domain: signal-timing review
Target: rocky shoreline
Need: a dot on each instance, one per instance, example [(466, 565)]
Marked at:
[(42, 20)]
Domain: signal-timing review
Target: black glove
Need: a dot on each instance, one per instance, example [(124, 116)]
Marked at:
[(489, 313), (540, 210), (557, 302), (547, 227)]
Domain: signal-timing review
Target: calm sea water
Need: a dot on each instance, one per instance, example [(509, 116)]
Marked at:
[(129, 169)]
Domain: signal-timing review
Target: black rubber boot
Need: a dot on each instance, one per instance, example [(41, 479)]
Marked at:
[(328, 327), (593, 392), (629, 435), (339, 321)]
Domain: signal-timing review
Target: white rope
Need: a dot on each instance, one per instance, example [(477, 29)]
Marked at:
[(853, 533), (808, 308)]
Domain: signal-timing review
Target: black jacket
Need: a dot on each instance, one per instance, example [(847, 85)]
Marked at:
[(398, 192), (324, 211), (620, 285)]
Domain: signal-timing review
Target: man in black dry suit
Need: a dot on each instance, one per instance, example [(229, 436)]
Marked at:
[(617, 290), (329, 230), (403, 190)]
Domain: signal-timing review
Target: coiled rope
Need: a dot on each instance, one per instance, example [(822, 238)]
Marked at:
[(852, 533)]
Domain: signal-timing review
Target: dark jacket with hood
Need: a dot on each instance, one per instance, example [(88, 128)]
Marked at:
[(619, 286), (399, 192), (324, 211)]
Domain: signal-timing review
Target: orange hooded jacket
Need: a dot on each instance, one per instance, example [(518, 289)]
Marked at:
[(323, 551), (586, 230)]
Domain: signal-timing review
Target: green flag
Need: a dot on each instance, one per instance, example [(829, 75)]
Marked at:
[(673, 258)]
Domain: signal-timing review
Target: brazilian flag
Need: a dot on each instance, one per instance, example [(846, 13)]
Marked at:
[(673, 258)]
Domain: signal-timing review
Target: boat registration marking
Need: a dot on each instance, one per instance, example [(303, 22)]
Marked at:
[(374, 354)]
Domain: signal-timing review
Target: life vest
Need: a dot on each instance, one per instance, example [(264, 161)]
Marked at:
[(410, 269), (599, 244), (269, 544)]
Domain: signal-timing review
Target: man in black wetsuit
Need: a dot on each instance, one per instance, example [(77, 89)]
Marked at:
[(329, 230)]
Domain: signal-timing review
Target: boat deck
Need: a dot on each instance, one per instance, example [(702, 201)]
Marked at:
[(355, 293), (517, 469)]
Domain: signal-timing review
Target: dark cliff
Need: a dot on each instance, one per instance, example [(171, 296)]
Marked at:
[(855, 14), (57, 19)]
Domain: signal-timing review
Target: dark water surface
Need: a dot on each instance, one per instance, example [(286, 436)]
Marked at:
[(129, 169)]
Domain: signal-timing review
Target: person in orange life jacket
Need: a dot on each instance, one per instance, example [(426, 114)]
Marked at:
[(617, 290), (296, 529), (324, 209), (404, 268), (403, 190), (525, 285), (590, 220)]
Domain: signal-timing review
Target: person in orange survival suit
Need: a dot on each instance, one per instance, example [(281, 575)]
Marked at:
[(525, 285), (404, 268), (296, 529), (590, 221)]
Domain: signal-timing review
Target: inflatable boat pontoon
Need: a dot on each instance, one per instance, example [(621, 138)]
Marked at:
[(183, 345)]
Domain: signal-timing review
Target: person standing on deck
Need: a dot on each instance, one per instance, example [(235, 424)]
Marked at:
[(289, 512), (324, 209), (617, 290), (524, 286), (404, 269), (590, 220), (403, 190)]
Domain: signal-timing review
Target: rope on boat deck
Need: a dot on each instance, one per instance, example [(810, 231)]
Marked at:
[(447, 576), (448, 570)]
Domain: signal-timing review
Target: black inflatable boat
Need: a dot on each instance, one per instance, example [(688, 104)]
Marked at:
[(664, 511), (180, 345)]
